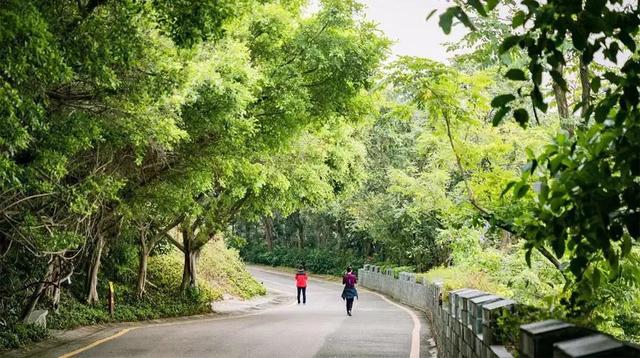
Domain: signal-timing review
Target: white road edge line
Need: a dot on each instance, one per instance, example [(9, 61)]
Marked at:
[(415, 333), (417, 326)]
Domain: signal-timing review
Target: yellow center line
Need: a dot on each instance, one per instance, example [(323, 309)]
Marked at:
[(96, 343), (415, 334), (125, 330)]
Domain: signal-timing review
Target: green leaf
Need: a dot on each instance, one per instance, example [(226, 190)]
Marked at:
[(602, 111), (502, 100), (462, 16), (476, 4), (537, 99), (530, 153), (521, 116), (509, 42), (544, 193), (518, 19), (613, 260), (491, 4), (536, 73), (521, 190), (626, 245), (596, 277), (612, 77), (497, 117), (557, 78), (632, 222), (579, 37), (446, 19), (627, 40), (507, 188), (515, 74), (558, 246), (595, 84)]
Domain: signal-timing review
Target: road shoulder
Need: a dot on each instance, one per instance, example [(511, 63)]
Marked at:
[(63, 342)]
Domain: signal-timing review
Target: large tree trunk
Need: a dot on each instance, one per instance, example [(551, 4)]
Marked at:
[(367, 248), (62, 271), (561, 96), (143, 257), (142, 271), (94, 268), (191, 254), (267, 223), (300, 231), (35, 297), (190, 272), (586, 86)]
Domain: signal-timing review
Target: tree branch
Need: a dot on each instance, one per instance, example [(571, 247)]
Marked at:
[(486, 215)]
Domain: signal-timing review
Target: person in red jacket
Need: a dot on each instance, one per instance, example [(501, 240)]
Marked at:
[(301, 284)]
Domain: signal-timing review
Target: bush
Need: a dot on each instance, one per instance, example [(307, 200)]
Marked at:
[(220, 270), (539, 288), (19, 335), (223, 269)]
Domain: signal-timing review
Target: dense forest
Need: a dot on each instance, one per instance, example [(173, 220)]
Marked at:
[(140, 138)]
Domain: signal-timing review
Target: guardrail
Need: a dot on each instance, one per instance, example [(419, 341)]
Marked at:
[(465, 326)]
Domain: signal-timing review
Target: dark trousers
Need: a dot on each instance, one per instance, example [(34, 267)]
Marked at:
[(349, 304), (304, 294)]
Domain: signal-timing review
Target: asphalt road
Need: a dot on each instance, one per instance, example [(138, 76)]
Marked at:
[(321, 328)]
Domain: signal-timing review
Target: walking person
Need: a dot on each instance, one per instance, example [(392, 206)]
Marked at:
[(349, 292), (301, 284)]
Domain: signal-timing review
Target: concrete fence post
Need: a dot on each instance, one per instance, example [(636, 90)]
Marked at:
[(467, 325), (537, 339), (490, 314)]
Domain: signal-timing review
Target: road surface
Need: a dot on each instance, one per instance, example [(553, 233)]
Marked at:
[(321, 328)]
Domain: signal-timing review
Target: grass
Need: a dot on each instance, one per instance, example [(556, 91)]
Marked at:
[(456, 277), (20, 335), (220, 270), (225, 272)]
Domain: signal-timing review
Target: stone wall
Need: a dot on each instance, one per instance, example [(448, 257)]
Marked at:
[(465, 326)]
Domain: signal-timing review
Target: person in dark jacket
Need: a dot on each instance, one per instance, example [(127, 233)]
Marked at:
[(301, 284), (349, 292)]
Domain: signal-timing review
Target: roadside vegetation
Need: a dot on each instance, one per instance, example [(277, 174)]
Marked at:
[(139, 138), (223, 273), (134, 133), (514, 169)]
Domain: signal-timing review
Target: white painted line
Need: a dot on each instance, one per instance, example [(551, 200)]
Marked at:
[(417, 326), (415, 333)]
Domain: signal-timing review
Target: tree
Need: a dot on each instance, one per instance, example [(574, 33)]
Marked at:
[(134, 119), (586, 190)]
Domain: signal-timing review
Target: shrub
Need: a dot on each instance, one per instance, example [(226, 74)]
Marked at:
[(19, 334), (317, 260), (220, 269)]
